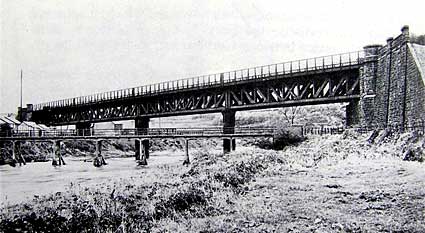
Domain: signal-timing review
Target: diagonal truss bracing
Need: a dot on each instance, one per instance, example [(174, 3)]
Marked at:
[(274, 91)]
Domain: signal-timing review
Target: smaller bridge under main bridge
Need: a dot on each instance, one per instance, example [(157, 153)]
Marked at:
[(211, 132), (142, 137)]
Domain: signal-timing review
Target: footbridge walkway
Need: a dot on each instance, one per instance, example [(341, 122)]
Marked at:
[(141, 136)]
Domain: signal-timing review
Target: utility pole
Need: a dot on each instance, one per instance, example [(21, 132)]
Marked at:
[(21, 90)]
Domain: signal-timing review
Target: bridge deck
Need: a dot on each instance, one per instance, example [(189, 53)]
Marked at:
[(320, 80)]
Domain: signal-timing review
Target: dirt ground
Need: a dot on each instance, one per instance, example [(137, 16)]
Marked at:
[(355, 195), (355, 186)]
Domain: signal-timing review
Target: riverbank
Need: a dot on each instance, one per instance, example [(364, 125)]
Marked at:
[(43, 151), (332, 183)]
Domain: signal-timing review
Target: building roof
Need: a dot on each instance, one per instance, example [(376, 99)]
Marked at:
[(5, 120), (2, 122), (13, 120), (43, 127), (31, 125)]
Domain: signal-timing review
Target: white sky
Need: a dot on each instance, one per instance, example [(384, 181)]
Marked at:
[(72, 48)]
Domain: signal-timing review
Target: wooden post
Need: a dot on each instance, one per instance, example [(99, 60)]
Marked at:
[(142, 149), (53, 151), (21, 159), (99, 160), (137, 149), (54, 162), (61, 160), (187, 160), (13, 162), (57, 149), (146, 147)]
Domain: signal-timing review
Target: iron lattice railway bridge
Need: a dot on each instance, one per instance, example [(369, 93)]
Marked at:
[(320, 80)]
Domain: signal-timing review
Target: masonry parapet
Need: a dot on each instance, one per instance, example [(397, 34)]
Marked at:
[(371, 52), (402, 39)]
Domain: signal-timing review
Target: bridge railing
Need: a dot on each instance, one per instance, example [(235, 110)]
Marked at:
[(137, 132), (417, 126), (321, 130), (254, 73)]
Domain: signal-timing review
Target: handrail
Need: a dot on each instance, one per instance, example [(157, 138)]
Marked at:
[(418, 125), (135, 131), (210, 80)]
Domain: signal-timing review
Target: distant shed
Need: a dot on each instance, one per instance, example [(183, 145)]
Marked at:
[(31, 128), (9, 122)]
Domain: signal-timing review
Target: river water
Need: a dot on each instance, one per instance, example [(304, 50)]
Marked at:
[(21, 183)]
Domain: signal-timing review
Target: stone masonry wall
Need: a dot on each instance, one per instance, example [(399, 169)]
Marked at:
[(397, 86), (366, 106), (398, 93), (382, 84)]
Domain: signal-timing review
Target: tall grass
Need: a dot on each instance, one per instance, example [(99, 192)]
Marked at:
[(197, 192)]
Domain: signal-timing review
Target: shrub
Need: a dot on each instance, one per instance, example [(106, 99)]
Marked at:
[(282, 138), (286, 137), (417, 39), (180, 201), (414, 154)]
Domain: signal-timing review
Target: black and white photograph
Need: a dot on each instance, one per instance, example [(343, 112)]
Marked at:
[(123, 116)]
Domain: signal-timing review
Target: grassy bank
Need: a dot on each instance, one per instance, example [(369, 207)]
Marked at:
[(333, 183)]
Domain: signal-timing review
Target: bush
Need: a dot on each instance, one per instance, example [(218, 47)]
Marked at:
[(414, 154), (417, 39), (180, 201), (282, 138), (287, 137)]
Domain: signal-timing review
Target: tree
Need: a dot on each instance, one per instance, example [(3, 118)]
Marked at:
[(417, 39), (291, 113)]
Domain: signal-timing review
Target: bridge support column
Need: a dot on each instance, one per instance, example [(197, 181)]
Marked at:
[(142, 125), (14, 151), (137, 148), (229, 144), (53, 152), (143, 151), (58, 155), (16, 154), (366, 107), (146, 147), (352, 112), (83, 129), (13, 162), (99, 159), (187, 159), (20, 156)]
